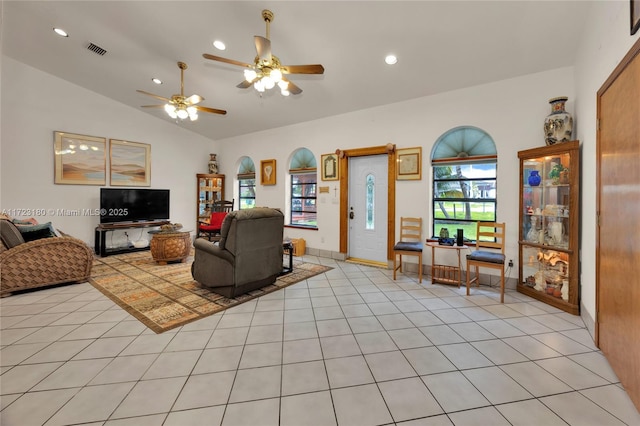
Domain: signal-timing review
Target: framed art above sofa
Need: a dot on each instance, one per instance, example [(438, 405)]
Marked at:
[(79, 159)]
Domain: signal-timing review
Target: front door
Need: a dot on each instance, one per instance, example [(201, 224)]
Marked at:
[(368, 198)]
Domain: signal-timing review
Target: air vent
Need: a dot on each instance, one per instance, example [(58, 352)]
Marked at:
[(96, 49)]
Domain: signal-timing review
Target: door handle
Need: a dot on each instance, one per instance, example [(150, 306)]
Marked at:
[(351, 215)]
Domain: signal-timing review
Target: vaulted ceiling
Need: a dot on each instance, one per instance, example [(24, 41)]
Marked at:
[(440, 45)]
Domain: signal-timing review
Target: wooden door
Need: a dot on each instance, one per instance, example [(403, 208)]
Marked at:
[(343, 163), (618, 231)]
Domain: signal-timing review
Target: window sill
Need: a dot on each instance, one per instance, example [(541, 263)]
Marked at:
[(310, 228)]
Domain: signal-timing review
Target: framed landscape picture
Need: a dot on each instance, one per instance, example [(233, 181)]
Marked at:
[(268, 172), (330, 170), (409, 165), (129, 163), (79, 159)]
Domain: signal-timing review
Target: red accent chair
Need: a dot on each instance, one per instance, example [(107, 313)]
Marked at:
[(212, 229)]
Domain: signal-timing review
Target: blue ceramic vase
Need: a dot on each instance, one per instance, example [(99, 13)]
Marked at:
[(534, 178)]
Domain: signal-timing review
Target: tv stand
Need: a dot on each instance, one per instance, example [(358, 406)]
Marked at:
[(101, 230)]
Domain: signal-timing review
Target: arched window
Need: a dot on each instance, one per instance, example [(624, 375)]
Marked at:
[(303, 172), (247, 183), (464, 161)]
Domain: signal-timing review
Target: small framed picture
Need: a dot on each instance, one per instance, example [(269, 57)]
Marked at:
[(79, 159), (268, 172), (330, 170), (409, 164)]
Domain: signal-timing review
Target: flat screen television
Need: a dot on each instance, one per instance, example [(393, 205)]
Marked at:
[(133, 205)]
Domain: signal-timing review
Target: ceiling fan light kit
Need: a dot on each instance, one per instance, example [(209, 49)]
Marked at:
[(180, 106), (267, 72), (181, 112)]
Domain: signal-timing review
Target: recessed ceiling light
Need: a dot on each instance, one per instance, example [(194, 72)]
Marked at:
[(219, 45), (156, 80), (391, 59), (61, 32)]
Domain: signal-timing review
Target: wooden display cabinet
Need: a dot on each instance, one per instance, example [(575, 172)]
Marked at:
[(549, 225), (210, 189)]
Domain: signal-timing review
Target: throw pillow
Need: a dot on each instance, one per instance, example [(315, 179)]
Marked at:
[(22, 222), (36, 232), (9, 234)]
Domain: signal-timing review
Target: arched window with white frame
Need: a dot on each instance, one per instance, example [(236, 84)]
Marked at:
[(304, 176), (464, 161), (246, 184)]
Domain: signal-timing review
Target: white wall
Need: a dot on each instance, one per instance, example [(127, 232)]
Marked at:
[(605, 42), (35, 104), (511, 111)]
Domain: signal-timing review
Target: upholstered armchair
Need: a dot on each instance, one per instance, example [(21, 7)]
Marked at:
[(248, 255), (42, 262)]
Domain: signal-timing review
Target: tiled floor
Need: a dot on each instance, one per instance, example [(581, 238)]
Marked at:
[(349, 347)]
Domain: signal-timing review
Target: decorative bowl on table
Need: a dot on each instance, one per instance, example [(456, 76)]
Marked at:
[(171, 227)]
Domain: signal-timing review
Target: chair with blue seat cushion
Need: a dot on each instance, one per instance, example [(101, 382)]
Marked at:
[(489, 253), (410, 243)]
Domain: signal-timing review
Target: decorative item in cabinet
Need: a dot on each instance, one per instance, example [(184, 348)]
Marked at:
[(549, 225), (210, 189)]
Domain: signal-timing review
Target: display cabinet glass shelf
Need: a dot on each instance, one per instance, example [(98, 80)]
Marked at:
[(549, 225), (210, 190)]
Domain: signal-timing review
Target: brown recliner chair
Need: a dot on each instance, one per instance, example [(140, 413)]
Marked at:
[(42, 262), (248, 255)]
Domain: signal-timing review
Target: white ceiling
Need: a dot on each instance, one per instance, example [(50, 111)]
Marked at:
[(441, 46)]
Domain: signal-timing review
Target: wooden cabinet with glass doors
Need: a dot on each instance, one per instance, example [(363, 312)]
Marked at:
[(549, 222), (210, 189)]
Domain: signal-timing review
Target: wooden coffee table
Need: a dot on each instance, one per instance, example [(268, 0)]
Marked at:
[(171, 246)]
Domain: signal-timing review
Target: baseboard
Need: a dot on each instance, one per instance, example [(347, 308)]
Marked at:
[(588, 321), (325, 253), (485, 279)]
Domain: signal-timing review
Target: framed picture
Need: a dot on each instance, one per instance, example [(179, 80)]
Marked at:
[(409, 165), (330, 169), (268, 172), (635, 16), (129, 163), (79, 159)]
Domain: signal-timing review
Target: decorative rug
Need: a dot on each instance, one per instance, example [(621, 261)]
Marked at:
[(163, 297)]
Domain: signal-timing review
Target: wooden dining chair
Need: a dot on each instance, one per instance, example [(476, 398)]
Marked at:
[(410, 243), (489, 253), (223, 206)]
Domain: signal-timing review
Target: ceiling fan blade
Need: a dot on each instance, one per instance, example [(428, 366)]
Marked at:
[(228, 61), (194, 99), (263, 47), (152, 106), (211, 110), (292, 88), (155, 96), (244, 84), (303, 69)]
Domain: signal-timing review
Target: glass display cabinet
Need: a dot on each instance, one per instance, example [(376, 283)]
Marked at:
[(210, 190), (549, 223)]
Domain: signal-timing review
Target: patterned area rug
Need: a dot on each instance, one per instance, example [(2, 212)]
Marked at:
[(166, 296)]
